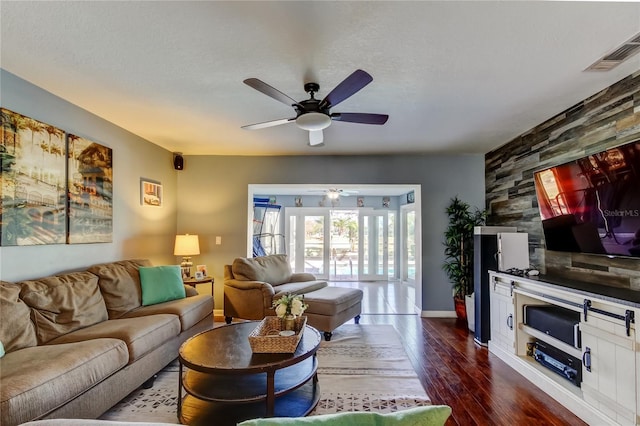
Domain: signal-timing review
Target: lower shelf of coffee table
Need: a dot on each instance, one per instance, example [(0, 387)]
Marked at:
[(297, 403), (247, 387)]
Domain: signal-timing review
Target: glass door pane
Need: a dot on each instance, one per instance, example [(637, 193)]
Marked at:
[(391, 244), (291, 232), (344, 245), (374, 254), (409, 246), (314, 245)]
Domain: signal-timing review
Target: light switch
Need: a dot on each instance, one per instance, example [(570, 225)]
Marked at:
[(218, 240)]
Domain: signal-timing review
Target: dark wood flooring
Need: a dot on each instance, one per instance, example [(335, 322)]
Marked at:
[(479, 387)]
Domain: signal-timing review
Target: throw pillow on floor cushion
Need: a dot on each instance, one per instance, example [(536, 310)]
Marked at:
[(161, 284)]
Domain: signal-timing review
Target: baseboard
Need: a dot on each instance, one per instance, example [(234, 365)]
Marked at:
[(438, 314), (218, 315)]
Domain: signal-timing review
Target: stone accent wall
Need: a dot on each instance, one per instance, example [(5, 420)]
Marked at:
[(605, 120)]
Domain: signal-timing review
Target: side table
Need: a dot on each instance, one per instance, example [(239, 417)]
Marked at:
[(194, 282)]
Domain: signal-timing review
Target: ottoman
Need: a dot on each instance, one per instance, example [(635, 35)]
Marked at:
[(330, 307)]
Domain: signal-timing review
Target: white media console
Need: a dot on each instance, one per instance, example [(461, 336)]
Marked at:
[(610, 348)]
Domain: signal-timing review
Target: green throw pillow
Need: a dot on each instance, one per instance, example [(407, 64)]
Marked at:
[(161, 284), (430, 415)]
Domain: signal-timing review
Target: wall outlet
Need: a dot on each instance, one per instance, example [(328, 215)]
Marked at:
[(218, 240)]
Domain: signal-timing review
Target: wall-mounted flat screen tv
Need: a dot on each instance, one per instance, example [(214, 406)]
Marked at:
[(592, 204)]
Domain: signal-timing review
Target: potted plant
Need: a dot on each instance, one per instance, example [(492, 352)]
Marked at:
[(458, 242)]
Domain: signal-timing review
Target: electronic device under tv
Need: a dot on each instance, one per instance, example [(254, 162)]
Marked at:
[(592, 204)]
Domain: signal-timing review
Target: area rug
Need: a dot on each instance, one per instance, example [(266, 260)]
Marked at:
[(362, 368)]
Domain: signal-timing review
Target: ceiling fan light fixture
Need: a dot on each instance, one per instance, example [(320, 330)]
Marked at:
[(333, 195), (313, 121)]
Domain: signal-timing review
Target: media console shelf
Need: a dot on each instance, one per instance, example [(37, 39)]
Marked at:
[(609, 349)]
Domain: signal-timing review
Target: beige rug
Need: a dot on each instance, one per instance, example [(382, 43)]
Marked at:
[(362, 368)]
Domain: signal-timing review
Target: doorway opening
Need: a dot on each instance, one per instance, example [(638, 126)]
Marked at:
[(370, 240)]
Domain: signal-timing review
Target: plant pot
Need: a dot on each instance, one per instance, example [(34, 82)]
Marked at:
[(470, 305), (461, 311)]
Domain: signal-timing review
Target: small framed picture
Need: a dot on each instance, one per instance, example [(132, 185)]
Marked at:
[(386, 202), (199, 275), (150, 193), (411, 197), (360, 201), (202, 269)]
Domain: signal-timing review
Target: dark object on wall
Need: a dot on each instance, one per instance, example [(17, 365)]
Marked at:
[(178, 161), (592, 204), (558, 233), (588, 239)]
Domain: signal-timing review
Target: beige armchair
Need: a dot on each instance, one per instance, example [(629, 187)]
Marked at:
[(252, 284)]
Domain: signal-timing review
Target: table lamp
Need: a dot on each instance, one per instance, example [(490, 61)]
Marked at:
[(186, 246)]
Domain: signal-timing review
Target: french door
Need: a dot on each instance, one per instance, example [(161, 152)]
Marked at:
[(339, 244), (308, 234), (409, 248), (373, 253)]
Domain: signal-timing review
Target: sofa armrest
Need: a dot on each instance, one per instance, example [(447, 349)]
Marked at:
[(249, 285), (297, 277), (247, 299), (190, 291)]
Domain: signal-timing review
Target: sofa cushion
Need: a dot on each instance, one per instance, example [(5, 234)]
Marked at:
[(273, 269), (190, 310), (430, 415), (161, 284), (331, 300), (33, 384), (63, 303), (120, 285), (141, 335), (302, 287), (19, 332)]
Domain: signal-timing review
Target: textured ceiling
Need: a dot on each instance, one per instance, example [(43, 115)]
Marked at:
[(460, 77)]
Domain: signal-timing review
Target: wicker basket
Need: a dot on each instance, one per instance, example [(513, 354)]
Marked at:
[(266, 339)]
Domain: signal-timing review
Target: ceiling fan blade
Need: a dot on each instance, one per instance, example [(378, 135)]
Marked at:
[(263, 87), (360, 117), (316, 137), (266, 124), (349, 86)]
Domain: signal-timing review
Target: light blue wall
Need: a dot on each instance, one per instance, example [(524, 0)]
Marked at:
[(138, 231), (214, 200)]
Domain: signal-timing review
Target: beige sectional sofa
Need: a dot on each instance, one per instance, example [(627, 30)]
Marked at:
[(78, 343), (251, 285)]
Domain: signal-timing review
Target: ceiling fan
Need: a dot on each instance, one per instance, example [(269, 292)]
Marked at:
[(313, 114), (335, 193)]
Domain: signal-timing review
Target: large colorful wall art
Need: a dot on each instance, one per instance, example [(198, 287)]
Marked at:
[(54, 190)]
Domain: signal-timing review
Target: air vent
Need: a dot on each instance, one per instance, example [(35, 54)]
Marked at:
[(617, 56)]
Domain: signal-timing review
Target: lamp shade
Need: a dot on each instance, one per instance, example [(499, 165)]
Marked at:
[(186, 245)]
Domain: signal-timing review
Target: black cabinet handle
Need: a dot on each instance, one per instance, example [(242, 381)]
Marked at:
[(510, 321), (586, 358)]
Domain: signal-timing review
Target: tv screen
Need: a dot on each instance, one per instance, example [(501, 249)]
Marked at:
[(592, 204)]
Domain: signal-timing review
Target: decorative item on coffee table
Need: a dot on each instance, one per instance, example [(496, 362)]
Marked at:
[(268, 336), (288, 307), (281, 334)]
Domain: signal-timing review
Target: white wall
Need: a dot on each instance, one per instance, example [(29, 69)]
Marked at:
[(138, 232)]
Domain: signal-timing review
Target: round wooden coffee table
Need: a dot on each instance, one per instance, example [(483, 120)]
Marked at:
[(226, 383)]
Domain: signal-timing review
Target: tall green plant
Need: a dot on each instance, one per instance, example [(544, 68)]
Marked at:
[(458, 242)]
